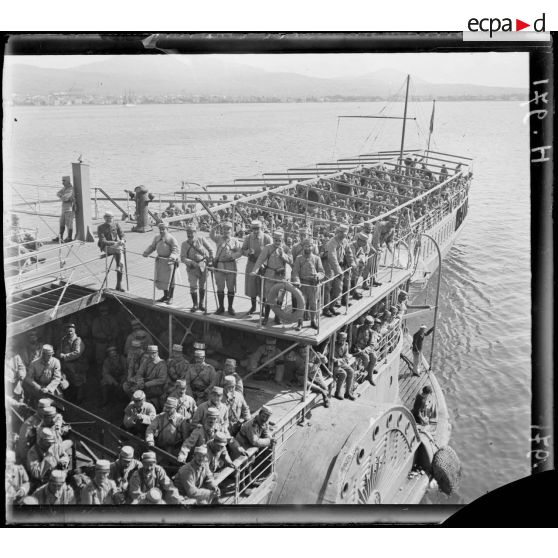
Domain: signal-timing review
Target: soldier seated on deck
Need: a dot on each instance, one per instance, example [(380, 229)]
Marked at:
[(261, 356), (113, 377), (200, 377), (215, 400), (152, 375), (343, 371), (17, 480), (186, 404), (424, 409), (256, 433), (238, 410), (45, 456), (138, 414), (101, 490), (55, 492), (296, 363), (195, 479), (150, 475)]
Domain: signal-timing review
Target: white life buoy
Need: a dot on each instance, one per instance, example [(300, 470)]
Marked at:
[(287, 317)]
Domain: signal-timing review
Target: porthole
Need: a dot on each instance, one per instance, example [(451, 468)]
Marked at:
[(344, 490), (376, 432), (360, 456), (389, 419), (400, 418), (391, 381)]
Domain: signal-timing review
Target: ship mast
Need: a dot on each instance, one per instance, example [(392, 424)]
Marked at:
[(431, 128), (404, 120)]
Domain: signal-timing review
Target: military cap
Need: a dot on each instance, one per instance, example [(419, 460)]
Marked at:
[(342, 228), (171, 402), (135, 343), (377, 321), (58, 475), (270, 341), (229, 381), (199, 353), (48, 349), (403, 293), (387, 314), (201, 450), (66, 178), (29, 501), (48, 435), (278, 233), (134, 322), (393, 218), (308, 242), (256, 223), (102, 465), (393, 309), (45, 402), (32, 333), (112, 349), (191, 228), (66, 326), (152, 349), (138, 395), (212, 412), (226, 225), (49, 411), (230, 362), (217, 389), (149, 457), (177, 347), (342, 335), (108, 214), (162, 225), (140, 333), (180, 383), (362, 236), (369, 319), (423, 326), (199, 345), (154, 496), (220, 439), (127, 452), (265, 410)]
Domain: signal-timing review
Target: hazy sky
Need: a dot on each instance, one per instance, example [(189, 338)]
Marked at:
[(490, 68)]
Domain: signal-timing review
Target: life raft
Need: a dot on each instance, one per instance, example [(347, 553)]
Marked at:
[(288, 317)]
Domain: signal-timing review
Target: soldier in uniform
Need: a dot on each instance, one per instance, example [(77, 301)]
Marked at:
[(31, 349), (28, 431), (54, 422), (307, 274), (361, 252), (384, 233), (14, 373), (298, 248), (152, 375), (133, 360), (44, 376), (204, 432), (296, 361), (343, 372), (263, 354), (257, 431), (101, 490), (122, 469), (150, 475), (273, 259), (365, 347), (113, 376), (138, 414), (165, 263), (112, 242), (200, 377), (339, 255), (66, 195), (105, 332), (74, 366), (238, 410), (229, 249), (137, 332), (195, 479), (186, 405), (229, 369), (45, 456), (217, 454), (252, 248), (176, 366), (418, 340), (168, 430), (197, 254), (215, 401), (55, 492), (17, 480)]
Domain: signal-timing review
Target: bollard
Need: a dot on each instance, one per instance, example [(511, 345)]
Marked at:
[(142, 197)]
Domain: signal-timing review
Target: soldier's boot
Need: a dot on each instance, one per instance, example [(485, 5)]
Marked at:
[(230, 298), (171, 294), (279, 373), (370, 375), (354, 293), (365, 285), (375, 283), (60, 236), (194, 295), (165, 297), (276, 319), (349, 388), (298, 325), (313, 324), (338, 389), (221, 301), (70, 235), (253, 307), (119, 281), (201, 305), (267, 309)]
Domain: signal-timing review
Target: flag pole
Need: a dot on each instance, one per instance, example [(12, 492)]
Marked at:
[(431, 128)]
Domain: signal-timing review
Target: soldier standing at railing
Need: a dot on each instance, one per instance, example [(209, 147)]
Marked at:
[(384, 233), (338, 256), (165, 263), (362, 251), (195, 252), (252, 247), (112, 242), (74, 366), (307, 273), (66, 194), (229, 249)]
